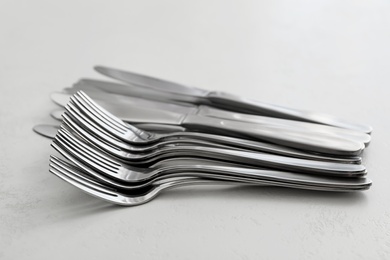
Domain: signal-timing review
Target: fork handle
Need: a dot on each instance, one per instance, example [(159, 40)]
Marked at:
[(190, 181), (228, 101), (295, 138), (229, 173)]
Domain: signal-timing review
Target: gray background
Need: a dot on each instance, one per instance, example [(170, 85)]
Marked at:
[(326, 56)]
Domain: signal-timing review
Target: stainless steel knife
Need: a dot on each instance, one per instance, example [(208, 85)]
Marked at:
[(228, 101), (291, 137)]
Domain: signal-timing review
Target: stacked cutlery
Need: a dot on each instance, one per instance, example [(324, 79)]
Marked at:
[(127, 142)]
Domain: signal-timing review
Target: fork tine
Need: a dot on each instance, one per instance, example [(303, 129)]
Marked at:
[(85, 122), (97, 135), (102, 122), (64, 152), (56, 163), (80, 159), (94, 150), (87, 154), (99, 109), (101, 142), (85, 185), (102, 191), (128, 134), (102, 111), (96, 114), (76, 142), (104, 132)]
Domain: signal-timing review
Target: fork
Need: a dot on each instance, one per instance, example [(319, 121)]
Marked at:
[(126, 107), (98, 177), (342, 184), (94, 133), (220, 171), (318, 143), (83, 155), (83, 181), (245, 157)]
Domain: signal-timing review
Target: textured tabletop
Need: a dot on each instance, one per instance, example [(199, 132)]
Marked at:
[(325, 56)]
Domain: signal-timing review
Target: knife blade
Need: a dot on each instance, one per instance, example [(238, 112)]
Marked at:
[(138, 91), (229, 101)]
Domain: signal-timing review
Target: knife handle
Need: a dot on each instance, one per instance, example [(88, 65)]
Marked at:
[(294, 138), (240, 104), (358, 136)]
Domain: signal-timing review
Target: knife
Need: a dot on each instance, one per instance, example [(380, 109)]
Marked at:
[(294, 138), (121, 106), (228, 101)]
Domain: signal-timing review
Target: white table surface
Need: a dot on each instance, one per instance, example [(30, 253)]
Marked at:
[(326, 56)]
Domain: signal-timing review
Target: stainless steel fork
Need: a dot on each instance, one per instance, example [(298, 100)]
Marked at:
[(93, 161), (346, 184), (94, 133), (129, 133), (88, 184), (254, 159)]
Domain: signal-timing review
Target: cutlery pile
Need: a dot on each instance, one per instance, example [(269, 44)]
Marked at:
[(125, 143)]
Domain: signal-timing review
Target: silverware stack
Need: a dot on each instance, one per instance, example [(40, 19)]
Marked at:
[(125, 143)]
